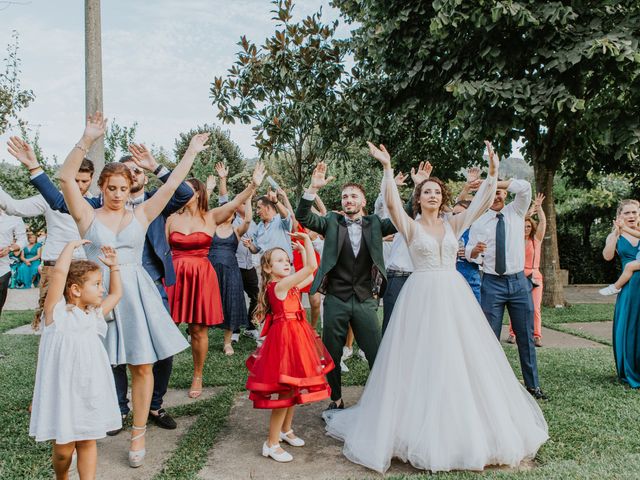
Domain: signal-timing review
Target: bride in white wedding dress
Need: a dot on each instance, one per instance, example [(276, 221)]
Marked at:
[(441, 394)]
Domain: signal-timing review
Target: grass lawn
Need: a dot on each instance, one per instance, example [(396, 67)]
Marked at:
[(592, 417)]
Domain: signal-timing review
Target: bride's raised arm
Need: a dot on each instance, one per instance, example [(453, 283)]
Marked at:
[(403, 222), (482, 199)]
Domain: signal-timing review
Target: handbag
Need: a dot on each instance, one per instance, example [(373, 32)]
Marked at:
[(533, 283)]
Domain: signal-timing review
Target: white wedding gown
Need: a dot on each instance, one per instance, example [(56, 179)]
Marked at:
[(441, 394)]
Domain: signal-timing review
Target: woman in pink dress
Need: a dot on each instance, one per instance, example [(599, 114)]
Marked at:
[(533, 236)]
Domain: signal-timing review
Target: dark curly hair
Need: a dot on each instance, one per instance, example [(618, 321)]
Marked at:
[(446, 195)]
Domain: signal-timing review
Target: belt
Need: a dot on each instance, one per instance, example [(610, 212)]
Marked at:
[(49, 263), (397, 273)]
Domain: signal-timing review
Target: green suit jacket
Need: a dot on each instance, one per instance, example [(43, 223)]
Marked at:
[(334, 229)]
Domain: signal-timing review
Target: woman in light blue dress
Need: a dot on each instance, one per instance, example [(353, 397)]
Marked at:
[(142, 331), (27, 270)]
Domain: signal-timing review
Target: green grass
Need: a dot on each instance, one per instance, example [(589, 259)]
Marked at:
[(592, 417), (577, 313)]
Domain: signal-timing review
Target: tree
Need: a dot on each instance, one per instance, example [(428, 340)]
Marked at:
[(562, 76), (13, 98), (222, 149), (117, 140), (290, 87)]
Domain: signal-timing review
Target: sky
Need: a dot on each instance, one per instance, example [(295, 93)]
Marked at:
[(158, 60)]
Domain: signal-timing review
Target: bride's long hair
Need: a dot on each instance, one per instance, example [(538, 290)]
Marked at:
[(417, 192)]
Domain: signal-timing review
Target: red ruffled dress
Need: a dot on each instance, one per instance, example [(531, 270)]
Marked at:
[(195, 297), (292, 359), (298, 262)]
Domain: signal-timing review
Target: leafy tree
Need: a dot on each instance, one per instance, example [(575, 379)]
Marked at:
[(117, 139), (289, 87), (13, 98), (222, 149), (444, 74)]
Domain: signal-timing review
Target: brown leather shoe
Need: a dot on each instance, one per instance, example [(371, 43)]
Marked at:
[(511, 339), (537, 341)]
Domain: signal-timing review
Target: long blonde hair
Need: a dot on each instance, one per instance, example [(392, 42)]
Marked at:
[(263, 307)]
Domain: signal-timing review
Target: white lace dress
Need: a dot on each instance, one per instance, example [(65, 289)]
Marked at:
[(441, 394), (74, 397)]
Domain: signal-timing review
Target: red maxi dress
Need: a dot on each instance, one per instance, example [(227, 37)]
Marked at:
[(292, 361), (195, 297)]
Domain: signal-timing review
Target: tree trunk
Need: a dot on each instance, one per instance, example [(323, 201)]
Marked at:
[(93, 76), (553, 294)]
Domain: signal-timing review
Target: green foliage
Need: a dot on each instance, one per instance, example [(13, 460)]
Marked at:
[(289, 87), (117, 139), (222, 149), (13, 98)]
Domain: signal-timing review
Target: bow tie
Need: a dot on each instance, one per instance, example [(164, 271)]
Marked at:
[(134, 202), (357, 221)]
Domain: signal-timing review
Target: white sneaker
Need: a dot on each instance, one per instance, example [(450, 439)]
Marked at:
[(361, 354), (610, 290), (235, 337), (281, 457), (343, 367), (347, 353), (294, 442), (254, 334)]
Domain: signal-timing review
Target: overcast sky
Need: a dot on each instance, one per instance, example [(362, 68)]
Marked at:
[(159, 59)]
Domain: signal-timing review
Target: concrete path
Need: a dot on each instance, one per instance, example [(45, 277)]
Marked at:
[(601, 330), (22, 299), (23, 330), (553, 338), (112, 451), (586, 294), (320, 459)]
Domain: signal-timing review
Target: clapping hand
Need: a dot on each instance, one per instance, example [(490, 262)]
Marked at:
[(109, 256), (22, 151), (198, 142), (494, 161), (423, 173), (142, 157), (380, 154), (96, 127)]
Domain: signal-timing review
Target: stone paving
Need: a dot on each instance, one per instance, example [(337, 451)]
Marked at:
[(601, 330)]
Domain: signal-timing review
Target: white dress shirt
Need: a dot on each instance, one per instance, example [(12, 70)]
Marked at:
[(61, 228), (485, 229), (12, 230), (398, 257)]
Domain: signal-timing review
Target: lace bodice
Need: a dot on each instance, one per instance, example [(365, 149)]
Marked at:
[(429, 254)]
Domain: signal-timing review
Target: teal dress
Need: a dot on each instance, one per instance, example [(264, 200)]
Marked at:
[(626, 321), (26, 274)]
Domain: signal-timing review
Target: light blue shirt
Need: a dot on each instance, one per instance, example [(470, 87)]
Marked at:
[(274, 234)]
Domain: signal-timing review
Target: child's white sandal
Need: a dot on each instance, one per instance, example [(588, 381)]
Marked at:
[(282, 457), (294, 442)]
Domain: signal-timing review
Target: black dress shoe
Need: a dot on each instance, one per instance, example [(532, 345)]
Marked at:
[(113, 433), (537, 393), (163, 419), (335, 406)]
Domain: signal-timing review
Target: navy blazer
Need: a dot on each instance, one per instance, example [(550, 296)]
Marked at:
[(156, 256)]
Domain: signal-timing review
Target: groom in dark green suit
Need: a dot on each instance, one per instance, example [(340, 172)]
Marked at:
[(351, 274)]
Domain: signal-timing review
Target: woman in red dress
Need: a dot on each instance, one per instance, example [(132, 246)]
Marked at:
[(195, 297), (292, 362)]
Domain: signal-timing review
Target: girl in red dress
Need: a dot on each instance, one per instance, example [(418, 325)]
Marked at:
[(290, 366)]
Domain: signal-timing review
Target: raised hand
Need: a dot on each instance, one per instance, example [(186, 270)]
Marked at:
[(22, 151), (79, 243), (247, 242), (142, 157), (400, 179), (96, 126), (298, 247), (211, 183), (258, 174), (109, 256), (494, 161), (423, 173), (319, 176), (538, 200), (272, 196), (473, 174), (221, 170), (380, 154), (198, 142)]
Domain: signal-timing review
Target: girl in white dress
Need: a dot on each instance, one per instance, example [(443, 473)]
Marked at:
[(74, 399), (441, 394)]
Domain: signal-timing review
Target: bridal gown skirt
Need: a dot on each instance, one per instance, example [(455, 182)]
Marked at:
[(441, 394)]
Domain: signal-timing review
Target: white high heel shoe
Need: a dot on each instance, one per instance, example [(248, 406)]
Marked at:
[(136, 458), (268, 451), (294, 442)]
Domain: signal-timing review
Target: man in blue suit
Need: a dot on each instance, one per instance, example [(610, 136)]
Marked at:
[(156, 259)]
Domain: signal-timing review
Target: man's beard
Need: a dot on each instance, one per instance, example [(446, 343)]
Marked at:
[(135, 188)]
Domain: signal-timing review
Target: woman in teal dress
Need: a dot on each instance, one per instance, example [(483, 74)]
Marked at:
[(626, 317), (30, 261)]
